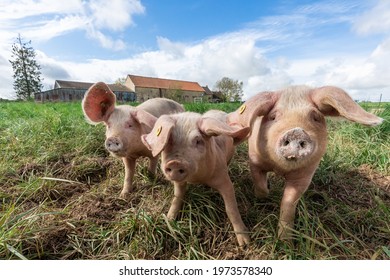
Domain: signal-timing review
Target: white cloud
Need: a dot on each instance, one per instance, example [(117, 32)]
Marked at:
[(116, 15), (375, 20), (45, 19), (104, 40), (53, 28), (11, 9)]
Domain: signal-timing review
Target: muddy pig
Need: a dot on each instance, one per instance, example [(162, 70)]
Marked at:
[(125, 125), (197, 149), (289, 136)]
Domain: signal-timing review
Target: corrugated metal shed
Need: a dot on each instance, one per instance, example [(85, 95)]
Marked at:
[(72, 90)]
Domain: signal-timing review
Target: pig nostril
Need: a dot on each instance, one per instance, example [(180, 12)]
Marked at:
[(285, 143), (302, 144), (168, 169), (181, 171)]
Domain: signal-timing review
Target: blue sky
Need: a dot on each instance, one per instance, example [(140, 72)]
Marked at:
[(266, 44)]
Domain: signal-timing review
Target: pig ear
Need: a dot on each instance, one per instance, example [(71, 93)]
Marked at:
[(144, 118), (258, 105), (214, 127), (333, 101), (158, 138), (98, 102)]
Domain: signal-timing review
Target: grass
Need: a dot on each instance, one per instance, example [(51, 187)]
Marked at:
[(59, 193)]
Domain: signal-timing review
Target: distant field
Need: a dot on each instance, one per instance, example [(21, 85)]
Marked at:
[(59, 197)]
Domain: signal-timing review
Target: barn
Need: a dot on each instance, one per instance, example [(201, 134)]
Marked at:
[(183, 91)]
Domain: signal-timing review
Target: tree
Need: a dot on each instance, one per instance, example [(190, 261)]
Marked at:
[(27, 73), (120, 81), (231, 89)]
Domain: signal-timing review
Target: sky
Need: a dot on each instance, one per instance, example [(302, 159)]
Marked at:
[(268, 44)]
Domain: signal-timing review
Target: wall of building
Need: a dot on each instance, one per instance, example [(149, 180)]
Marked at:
[(68, 95), (129, 83), (184, 96)]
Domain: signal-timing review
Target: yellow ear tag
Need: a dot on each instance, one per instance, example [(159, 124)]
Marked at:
[(158, 132), (242, 109)]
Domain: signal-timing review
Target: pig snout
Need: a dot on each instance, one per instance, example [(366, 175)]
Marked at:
[(176, 170), (295, 144), (114, 144)]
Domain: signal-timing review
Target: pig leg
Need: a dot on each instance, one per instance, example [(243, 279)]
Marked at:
[(152, 166), (129, 174), (259, 178), (292, 193), (178, 199), (226, 190)]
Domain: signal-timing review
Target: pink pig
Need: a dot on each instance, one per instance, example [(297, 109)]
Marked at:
[(197, 149), (125, 125), (289, 137)]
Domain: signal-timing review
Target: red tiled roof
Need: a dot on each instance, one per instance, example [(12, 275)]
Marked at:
[(148, 82)]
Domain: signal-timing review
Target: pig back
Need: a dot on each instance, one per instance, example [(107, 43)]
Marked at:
[(161, 106)]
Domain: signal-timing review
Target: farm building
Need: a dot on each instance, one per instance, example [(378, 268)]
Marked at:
[(213, 96), (71, 91), (184, 91), (135, 88)]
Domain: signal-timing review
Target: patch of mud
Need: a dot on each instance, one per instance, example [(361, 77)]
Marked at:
[(60, 194), (352, 187), (84, 170), (380, 180), (100, 210)]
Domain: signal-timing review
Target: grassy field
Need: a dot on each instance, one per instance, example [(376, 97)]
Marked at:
[(59, 197)]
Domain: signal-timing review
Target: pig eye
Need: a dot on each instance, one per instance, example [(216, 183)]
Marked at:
[(272, 117), (316, 116), (129, 125), (198, 141)]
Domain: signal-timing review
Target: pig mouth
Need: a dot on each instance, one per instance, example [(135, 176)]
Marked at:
[(118, 154)]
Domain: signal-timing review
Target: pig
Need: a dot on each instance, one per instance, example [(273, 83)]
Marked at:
[(289, 137), (124, 126), (197, 148)]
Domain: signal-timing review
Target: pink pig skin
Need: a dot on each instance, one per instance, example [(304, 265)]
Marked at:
[(125, 125), (197, 149), (289, 136)]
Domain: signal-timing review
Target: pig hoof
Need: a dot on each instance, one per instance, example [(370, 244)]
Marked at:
[(261, 193), (243, 239), (171, 216), (124, 194), (285, 232)]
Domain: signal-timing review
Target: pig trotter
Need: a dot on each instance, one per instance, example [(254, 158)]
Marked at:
[(260, 181)]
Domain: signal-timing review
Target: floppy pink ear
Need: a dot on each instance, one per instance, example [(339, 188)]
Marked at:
[(146, 119), (215, 127), (158, 138), (98, 102), (258, 105), (333, 101)]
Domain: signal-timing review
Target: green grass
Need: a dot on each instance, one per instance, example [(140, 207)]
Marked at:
[(59, 193)]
